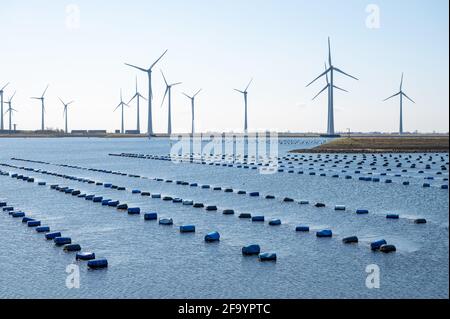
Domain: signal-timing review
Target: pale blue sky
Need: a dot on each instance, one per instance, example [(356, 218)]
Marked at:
[(220, 45)]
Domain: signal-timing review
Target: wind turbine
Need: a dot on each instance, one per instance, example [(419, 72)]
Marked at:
[(137, 96), (1, 106), (245, 102), (331, 69), (168, 92), (192, 98), (43, 107), (121, 104), (65, 112), (10, 110), (402, 94), (150, 93)]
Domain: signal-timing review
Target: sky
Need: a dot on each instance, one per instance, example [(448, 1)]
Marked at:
[(80, 47)]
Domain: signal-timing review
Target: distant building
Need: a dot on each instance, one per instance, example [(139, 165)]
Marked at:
[(132, 132)]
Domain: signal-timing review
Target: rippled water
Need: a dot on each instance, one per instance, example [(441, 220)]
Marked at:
[(147, 260)]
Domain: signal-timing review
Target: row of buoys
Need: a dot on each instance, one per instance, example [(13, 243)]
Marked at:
[(57, 238), (246, 215), (375, 179)]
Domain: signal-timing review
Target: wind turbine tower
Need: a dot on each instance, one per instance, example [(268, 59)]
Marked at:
[(169, 93), (10, 110), (331, 69), (43, 107), (245, 92), (401, 94), (192, 98), (150, 93)]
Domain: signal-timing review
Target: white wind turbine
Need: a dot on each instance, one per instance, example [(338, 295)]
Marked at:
[(192, 98), (2, 126), (328, 86), (121, 104), (150, 93), (401, 94), (137, 96), (42, 106), (331, 69), (245, 105), (10, 110), (169, 93), (65, 113)]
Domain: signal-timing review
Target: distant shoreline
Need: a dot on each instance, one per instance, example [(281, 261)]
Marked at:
[(368, 144)]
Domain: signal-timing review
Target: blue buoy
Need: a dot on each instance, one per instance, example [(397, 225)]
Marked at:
[(387, 248), (18, 214), (150, 216), (362, 211), (198, 205), (134, 210), (257, 218), (319, 205), (34, 223), (251, 250), (228, 212), (420, 221), (187, 228), (135, 191), (392, 216), (166, 221), (85, 256), (89, 197), (275, 222), (377, 244), (188, 202), (114, 203), (213, 236), (350, 240), (267, 257), (339, 207), (302, 228), (426, 185), (254, 194), (51, 236), (156, 195), (43, 229), (98, 263), (324, 233), (303, 202), (60, 241), (287, 199), (211, 208), (72, 247), (105, 202)]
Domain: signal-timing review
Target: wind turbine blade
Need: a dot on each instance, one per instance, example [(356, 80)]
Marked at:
[(14, 110), (142, 97), (167, 90), (336, 87), (136, 67), (10, 99), (45, 91), (239, 91), (248, 85), (158, 60), (35, 98), (322, 74), (392, 96), (340, 71), (167, 84), (62, 101), (401, 82), (329, 52), (189, 97), (134, 96), (197, 92), (408, 97), (70, 102), (326, 87), (4, 86), (177, 83)]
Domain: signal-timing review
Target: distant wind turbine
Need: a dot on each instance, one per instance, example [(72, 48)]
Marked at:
[(10, 110), (150, 93), (331, 86), (169, 93), (2, 127), (121, 104), (192, 98), (42, 106), (245, 104), (137, 96), (402, 94), (65, 113)]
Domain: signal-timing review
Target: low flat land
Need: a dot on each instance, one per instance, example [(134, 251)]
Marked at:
[(403, 144)]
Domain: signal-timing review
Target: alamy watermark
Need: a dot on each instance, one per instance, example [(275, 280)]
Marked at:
[(73, 277), (72, 17), (373, 19), (373, 277), (259, 150)]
